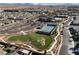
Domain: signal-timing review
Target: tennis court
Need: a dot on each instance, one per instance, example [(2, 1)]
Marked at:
[(47, 28)]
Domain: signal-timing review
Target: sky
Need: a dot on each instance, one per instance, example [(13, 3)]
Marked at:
[(39, 1)]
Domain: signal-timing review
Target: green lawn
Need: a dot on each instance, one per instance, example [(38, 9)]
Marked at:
[(34, 37)]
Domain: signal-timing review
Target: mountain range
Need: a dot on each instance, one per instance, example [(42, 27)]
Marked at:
[(40, 4)]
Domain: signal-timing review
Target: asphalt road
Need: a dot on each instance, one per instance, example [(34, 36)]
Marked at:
[(64, 49)]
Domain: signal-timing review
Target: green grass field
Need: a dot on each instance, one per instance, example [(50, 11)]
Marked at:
[(34, 38)]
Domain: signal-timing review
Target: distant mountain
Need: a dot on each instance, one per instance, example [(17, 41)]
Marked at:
[(16, 4), (41, 4)]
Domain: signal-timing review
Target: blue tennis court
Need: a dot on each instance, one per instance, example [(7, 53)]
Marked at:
[(47, 28)]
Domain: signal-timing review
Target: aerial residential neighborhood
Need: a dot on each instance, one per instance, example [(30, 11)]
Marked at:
[(28, 29)]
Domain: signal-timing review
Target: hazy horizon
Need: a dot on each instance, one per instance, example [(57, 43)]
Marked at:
[(41, 3)]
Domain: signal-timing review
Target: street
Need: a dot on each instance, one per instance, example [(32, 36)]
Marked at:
[(66, 37)]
